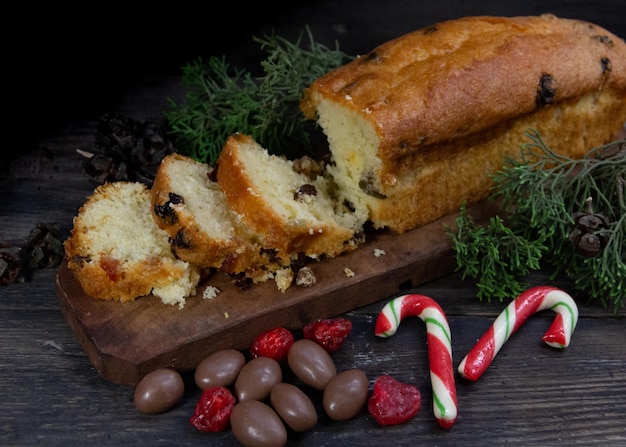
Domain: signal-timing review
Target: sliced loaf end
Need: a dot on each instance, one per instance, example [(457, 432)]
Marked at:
[(117, 252)]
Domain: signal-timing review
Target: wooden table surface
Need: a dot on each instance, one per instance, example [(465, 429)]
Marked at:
[(50, 394)]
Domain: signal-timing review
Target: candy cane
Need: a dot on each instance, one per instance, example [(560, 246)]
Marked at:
[(512, 317), (439, 348)]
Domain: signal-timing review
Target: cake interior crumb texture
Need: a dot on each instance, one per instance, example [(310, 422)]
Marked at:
[(118, 252)]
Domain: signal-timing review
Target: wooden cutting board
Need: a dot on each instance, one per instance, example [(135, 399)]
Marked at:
[(125, 341)]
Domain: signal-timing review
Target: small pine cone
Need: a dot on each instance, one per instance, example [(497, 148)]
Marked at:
[(10, 265), (126, 149), (44, 247), (587, 235)]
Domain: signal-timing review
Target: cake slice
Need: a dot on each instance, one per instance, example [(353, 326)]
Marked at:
[(291, 212), (117, 252), (189, 205)]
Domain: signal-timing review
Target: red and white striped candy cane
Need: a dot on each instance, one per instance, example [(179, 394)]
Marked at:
[(439, 348), (512, 317)]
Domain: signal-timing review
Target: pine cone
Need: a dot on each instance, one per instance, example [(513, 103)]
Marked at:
[(126, 150), (587, 235), (44, 247), (10, 264)]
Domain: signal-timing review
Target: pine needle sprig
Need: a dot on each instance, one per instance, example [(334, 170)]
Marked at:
[(221, 100), (288, 69), (495, 256), (542, 193)]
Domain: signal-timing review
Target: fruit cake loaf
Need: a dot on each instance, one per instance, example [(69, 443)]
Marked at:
[(117, 251), (190, 206), (416, 126), (291, 212)]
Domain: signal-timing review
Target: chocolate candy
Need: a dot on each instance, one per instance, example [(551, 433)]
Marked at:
[(159, 391), (294, 407), (311, 363), (255, 424), (345, 395), (219, 369), (257, 378)]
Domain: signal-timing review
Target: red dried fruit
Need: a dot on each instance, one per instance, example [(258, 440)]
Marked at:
[(393, 402), (273, 343), (330, 333), (212, 413)]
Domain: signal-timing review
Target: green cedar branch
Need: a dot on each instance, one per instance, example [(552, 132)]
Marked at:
[(541, 193)]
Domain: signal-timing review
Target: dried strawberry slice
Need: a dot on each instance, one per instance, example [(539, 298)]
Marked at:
[(393, 402), (330, 333), (273, 343), (212, 413)]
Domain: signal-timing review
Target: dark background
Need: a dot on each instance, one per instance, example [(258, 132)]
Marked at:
[(67, 63)]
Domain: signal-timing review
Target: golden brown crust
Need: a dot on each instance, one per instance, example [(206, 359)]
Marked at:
[(462, 76), (241, 195)]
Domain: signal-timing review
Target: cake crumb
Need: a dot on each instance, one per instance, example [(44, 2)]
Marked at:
[(379, 252), (226, 315), (210, 292), (305, 277), (348, 272), (283, 278)]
